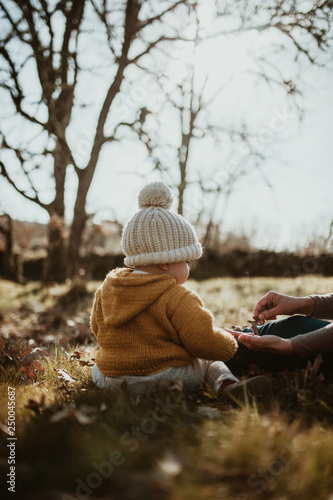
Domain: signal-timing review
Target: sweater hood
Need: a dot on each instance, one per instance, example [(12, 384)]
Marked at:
[(120, 292)]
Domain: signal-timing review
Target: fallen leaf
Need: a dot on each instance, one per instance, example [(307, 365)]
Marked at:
[(238, 328), (77, 355), (30, 371), (65, 376), (254, 325), (28, 356), (28, 365)]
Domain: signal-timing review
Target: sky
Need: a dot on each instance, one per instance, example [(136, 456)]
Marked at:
[(299, 205), (282, 206), (295, 210)]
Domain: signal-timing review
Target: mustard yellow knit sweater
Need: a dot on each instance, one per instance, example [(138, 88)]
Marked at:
[(145, 323)]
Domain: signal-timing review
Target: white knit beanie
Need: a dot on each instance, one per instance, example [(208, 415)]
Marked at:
[(155, 234)]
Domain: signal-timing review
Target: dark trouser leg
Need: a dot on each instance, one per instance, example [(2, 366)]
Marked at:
[(285, 328)]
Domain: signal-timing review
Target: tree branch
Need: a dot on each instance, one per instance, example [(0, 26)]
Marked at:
[(73, 21), (152, 45), (287, 32), (159, 17), (131, 19), (14, 25), (103, 18), (18, 98), (46, 15), (4, 173), (45, 69)]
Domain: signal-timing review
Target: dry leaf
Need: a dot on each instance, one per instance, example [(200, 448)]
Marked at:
[(28, 365), (65, 376), (254, 325), (30, 371), (82, 362), (238, 328), (28, 356), (77, 355)]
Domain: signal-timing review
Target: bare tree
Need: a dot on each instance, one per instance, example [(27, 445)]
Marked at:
[(52, 55), (304, 34), (42, 48)]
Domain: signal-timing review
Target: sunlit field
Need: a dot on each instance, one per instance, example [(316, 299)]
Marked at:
[(76, 441)]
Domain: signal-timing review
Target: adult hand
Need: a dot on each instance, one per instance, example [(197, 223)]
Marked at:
[(273, 304), (267, 343)]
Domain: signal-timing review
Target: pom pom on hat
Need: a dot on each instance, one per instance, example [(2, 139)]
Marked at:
[(155, 194)]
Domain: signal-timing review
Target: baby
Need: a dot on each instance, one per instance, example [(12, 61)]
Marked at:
[(149, 327)]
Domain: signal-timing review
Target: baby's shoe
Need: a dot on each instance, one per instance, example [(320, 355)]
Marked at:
[(257, 387)]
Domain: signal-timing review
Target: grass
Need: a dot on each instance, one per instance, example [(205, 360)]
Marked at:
[(74, 441)]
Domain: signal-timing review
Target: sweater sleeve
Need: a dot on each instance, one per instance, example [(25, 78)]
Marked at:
[(312, 343), (96, 313), (194, 325), (323, 306)]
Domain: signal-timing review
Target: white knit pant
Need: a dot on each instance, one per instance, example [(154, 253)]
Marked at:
[(212, 373)]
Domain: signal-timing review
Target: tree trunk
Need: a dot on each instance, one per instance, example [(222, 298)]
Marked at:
[(181, 189), (183, 154), (10, 263), (75, 238), (85, 176), (79, 221), (55, 262)]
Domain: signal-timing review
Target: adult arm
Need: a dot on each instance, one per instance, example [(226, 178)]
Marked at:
[(304, 345), (312, 343), (323, 306)]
